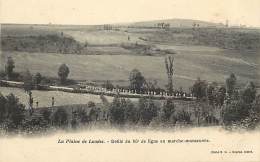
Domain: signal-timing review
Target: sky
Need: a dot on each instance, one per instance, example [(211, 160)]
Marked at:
[(90, 12)]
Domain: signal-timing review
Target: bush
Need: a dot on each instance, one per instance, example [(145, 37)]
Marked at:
[(10, 65), (183, 117), (42, 43), (28, 81), (37, 78), (131, 112), (2, 75), (249, 93), (199, 89), (34, 125), (235, 111), (63, 73), (91, 104), (2, 107), (147, 111), (13, 112), (46, 113), (136, 80), (168, 110), (117, 111), (93, 114), (60, 118)]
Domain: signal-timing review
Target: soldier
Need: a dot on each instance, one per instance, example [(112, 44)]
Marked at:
[(30, 102), (52, 101)]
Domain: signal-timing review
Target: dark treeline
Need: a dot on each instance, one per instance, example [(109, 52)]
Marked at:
[(33, 81), (120, 112), (238, 106), (225, 38), (43, 43), (228, 38), (229, 106)]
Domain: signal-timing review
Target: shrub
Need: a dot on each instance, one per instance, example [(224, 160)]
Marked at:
[(184, 117), (131, 112), (117, 111), (235, 111), (168, 110), (147, 111), (60, 118), (63, 73)]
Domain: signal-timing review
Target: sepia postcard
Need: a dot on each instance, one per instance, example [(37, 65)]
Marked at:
[(130, 81)]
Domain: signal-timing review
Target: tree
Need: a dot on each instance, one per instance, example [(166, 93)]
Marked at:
[(235, 112), (46, 113), (28, 86), (169, 70), (231, 84), (136, 80), (10, 65), (104, 100), (91, 104), (183, 116), (2, 107), (212, 93), (249, 93), (168, 110), (83, 116), (131, 112), (86, 44), (37, 78), (256, 104), (117, 111), (151, 85), (14, 111), (221, 96), (199, 89), (63, 73), (28, 82), (93, 114), (60, 118), (79, 116), (147, 111)]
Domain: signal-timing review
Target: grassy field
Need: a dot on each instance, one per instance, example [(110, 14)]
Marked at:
[(115, 63), (208, 65), (64, 98), (44, 97)]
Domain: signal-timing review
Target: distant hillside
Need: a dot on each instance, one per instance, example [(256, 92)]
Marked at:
[(42, 43), (186, 23)]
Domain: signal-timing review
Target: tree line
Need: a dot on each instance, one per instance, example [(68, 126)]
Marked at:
[(238, 106)]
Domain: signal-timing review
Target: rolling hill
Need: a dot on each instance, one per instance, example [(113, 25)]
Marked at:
[(185, 23)]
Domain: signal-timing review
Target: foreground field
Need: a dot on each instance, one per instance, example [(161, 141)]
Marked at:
[(44, 97)]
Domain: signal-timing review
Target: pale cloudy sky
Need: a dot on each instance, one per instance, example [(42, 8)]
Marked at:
[(245, 12)]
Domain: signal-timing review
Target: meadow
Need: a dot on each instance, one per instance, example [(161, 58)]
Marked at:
[(189, 65), (44, 98), (111, 54), (105, 59)]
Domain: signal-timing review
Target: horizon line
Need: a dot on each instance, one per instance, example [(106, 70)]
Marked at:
[(125, 23)]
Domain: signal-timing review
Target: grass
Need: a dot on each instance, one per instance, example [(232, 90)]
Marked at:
[(69, 100), (208, 65), (115, 63), (44, 97)]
